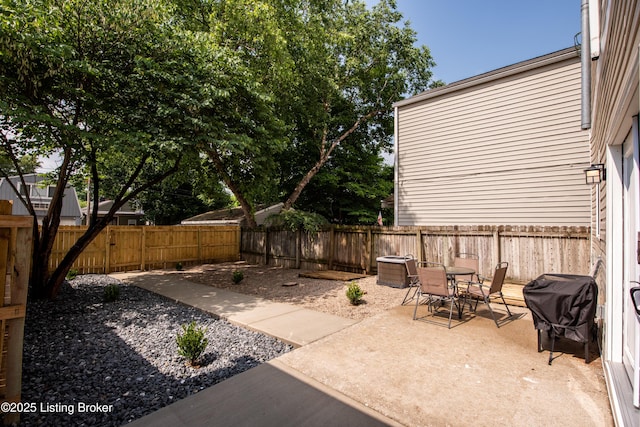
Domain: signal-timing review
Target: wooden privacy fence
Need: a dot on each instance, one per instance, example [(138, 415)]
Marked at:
[(125, 247), (15, 262), (530, 251)]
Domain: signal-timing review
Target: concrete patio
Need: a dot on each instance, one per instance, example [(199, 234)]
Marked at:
[(390, 370)]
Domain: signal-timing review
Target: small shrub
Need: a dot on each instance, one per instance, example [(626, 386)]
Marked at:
[(71, 274), (237, 276), (111, 292), (293, 220), (354, 293), (192, 342), (179, 266)]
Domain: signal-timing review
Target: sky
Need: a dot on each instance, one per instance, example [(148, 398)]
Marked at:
[(471, 37)]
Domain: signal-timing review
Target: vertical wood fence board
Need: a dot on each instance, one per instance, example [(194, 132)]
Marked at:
[(220, 244), (126, 250), (15, 267), (120, 248), (530, 251)]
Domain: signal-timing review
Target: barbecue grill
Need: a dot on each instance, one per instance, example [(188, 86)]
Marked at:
[(563, 305)]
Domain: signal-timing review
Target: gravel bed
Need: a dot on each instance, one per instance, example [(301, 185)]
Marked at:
[(80, 351)]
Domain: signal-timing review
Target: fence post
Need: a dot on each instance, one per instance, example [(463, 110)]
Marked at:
[(266, 246), (331, 245), (198, 230), (239, 242), (298, 240), (373, 253), (5, 209), (368, 254), (14, 263), (419, 248), (496, 246), (143, 247), (107, 251)]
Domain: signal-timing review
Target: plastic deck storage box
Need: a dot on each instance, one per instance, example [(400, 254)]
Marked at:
[(392, 271)]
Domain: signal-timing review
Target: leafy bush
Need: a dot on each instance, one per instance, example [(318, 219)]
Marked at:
[(237, 276), (192, 342), (179, 266), (71, 274), (111, 292), (354, 293), (294, 220)]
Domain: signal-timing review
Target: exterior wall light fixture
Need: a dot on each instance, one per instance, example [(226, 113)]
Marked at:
[(595, 174)]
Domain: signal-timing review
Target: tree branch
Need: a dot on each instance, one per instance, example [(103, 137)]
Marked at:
[(244, 203)]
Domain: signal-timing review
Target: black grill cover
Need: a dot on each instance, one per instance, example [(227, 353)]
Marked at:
[(564, 302)]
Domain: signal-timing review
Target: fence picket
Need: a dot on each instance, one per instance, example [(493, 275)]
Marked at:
[(530, 251), (124, 247)]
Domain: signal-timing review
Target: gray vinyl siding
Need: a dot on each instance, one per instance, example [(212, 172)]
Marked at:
[(70, 205), (506, 151)]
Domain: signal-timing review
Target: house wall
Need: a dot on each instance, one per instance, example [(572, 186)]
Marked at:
[(615, 102), (501, 148), (70, 213)]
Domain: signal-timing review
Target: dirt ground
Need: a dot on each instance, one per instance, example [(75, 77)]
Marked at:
[(285, 285)]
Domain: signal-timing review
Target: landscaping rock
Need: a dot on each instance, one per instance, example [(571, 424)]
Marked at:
[(122, 355)]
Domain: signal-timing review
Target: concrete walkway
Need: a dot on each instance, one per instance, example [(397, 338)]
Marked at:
[(387, 370), (289, 323)]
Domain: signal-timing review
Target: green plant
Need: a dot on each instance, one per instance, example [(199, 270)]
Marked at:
[(297, 220), (354, 293), (192, 342), (71, 274), (111, 292), (179, 266), (237, 276)]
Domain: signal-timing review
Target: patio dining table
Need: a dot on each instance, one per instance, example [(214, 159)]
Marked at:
[(453, 271)]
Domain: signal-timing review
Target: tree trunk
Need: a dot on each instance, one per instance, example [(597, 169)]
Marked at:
[(325, 152), (59, 275), (244, 203), (50, 284), (288, 204)]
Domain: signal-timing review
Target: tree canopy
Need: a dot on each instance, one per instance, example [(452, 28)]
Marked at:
[(116, 87), (268, 92), (332, 70)]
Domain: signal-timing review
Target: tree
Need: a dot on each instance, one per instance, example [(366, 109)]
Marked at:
[(329, 71), (349, 188), (194, 189), (348, 88), (109, 85), (245, 155)]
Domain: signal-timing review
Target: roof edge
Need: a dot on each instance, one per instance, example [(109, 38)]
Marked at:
[(509, 70)]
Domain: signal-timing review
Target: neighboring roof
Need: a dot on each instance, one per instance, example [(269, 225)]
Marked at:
[(227, 214), (500, 73), (232, 216), (125, 210), (70, 204)]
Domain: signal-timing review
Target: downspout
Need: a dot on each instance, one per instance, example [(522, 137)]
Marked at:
[(396, 174), (585, 56)]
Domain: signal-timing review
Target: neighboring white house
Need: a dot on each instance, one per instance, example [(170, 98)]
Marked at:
[(500, 148), (40, 195), (612, 66)]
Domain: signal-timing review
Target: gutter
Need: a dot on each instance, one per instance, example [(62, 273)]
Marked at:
[(396, 166), (585, 58), (520, 67)]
